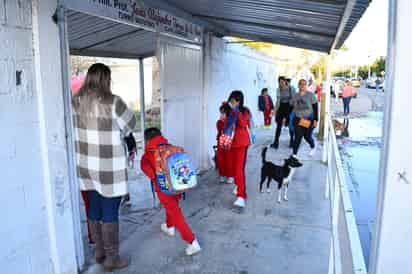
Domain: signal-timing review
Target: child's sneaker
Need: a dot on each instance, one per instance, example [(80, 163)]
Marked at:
[(222, 179), (193, 248), (240, 202), (230, 180), (235, 191), (169, 231)]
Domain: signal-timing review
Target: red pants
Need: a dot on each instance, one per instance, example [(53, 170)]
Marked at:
[(267, 116), (239, 155), (174, 216), (224, 162), (87, 206)]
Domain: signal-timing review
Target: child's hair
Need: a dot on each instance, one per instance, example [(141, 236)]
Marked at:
[(238, 96), (263, 91), (152, 132), (224, 108)]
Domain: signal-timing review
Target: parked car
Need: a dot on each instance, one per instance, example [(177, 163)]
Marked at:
[(371, 83), (356, 82)]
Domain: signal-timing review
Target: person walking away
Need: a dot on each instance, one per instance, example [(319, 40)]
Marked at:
[(174, 216), (101, 121), (223, 161), (266, 106), (347, 94), (285, 94), (378, 83), (305, 108), (240, 119)]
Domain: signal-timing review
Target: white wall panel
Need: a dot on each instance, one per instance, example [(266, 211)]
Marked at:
[(182, 93), (230, 67)]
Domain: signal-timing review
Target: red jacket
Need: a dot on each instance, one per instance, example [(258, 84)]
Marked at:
[(242, 138), (147, 163)]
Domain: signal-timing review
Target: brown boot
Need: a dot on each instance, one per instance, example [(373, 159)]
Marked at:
[(97, 237), (111, 248)]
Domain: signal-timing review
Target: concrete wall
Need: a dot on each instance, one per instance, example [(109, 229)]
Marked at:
[(36, 234), (234, 66)]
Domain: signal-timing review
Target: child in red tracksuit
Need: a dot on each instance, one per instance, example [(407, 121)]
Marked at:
[(240, 143), (223, 160), (174, 216)]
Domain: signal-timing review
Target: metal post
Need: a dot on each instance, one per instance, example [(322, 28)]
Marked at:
[(68, 122), (142, 98)]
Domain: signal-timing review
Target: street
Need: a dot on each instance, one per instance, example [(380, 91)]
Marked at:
[(367, 100)]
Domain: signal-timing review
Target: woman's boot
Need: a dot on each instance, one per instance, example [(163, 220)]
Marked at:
[(97, 237), (111, 248)]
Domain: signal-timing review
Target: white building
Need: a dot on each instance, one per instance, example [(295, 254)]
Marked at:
[(41, 232)]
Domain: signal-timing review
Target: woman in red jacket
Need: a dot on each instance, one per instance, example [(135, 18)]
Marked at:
[(223, 161), (239, 119)]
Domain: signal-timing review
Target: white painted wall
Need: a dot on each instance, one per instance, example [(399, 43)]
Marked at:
[(230, 67), (392, 240), (36, 234)]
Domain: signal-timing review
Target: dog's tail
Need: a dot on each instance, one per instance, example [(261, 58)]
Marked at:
[(264, 155)]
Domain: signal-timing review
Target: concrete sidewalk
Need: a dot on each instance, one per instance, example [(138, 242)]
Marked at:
[(266, 237)]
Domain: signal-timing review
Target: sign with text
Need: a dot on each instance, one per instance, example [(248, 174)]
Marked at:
[(136, 12)]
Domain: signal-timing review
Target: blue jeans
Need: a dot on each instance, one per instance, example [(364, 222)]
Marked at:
[(346, 103), (102, 208)]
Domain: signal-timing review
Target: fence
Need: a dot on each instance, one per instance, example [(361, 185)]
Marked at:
[(346, 255)]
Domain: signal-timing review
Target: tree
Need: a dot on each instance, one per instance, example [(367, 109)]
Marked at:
[(379, 65)]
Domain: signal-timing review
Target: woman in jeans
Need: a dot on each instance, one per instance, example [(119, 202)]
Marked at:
[(102, 120), (305, 108), (347, 93)]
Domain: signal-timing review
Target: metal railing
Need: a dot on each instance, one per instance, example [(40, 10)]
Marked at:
[(346, 255)]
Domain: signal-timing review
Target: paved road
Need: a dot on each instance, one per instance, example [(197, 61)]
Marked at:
[(367, 100)]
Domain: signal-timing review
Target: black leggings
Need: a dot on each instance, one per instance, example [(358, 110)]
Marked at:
[(302, 132), (282, 113)]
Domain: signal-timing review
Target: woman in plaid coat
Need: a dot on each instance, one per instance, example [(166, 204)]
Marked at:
[(101, 121)]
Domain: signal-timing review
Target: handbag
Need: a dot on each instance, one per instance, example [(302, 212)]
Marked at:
[(305, 123), (225, 141)]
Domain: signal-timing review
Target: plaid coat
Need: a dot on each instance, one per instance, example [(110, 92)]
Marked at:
[(100, 150)]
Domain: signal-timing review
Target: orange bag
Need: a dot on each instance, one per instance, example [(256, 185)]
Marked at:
[(305, 123)]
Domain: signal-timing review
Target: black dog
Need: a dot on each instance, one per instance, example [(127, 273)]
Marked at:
[(281, 174)]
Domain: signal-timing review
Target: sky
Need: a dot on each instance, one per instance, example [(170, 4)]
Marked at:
[(369, 38)]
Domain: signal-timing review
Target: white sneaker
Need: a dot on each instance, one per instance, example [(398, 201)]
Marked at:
[(193, 248), (312, 152), (230, 180), (235, 191), (240, 202), (169, 231), (222, 179)]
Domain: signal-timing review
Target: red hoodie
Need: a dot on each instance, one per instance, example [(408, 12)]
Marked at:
[(147, 163), (242, 138)]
